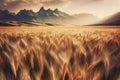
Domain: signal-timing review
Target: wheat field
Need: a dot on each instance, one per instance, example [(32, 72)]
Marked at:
[(57, 53)]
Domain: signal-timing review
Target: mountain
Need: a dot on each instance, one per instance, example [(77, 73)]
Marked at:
[(6, 15), (112, 20), (45, 15), (48, 16), (25, 16), (56, 16), (51, 13), (51, 16)]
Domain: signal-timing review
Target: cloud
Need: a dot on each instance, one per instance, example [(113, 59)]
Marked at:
[(14, 5), (79, 2), (55, 2)]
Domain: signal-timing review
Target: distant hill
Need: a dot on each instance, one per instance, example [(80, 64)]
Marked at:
[(17, 23), (112, 20), (86, 19), (48, 16)]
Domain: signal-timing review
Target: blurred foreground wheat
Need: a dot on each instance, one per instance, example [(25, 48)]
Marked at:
[(51, 56)]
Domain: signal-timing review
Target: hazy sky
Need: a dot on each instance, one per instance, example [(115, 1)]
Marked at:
[(100, 8)]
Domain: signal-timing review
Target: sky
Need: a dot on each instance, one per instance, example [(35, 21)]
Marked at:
[(100, 8)]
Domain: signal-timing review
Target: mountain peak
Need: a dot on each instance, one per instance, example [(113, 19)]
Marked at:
[(42, 9), (6, 15), (56, 10), (50, 11), (5, 11), (25, 13)]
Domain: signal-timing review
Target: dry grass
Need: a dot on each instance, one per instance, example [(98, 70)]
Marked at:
[(90, 55)]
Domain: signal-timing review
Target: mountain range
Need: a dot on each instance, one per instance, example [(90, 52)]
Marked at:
[(48, 16), (55, 16)]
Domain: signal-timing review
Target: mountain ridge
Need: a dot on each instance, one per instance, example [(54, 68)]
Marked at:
[(46, 16)]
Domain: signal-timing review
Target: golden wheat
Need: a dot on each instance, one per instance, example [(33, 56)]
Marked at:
[(90, 55)]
